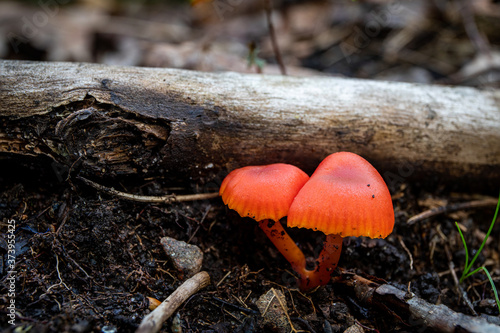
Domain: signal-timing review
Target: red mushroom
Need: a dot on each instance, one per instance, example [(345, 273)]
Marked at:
[(265, 194), (345, 196)]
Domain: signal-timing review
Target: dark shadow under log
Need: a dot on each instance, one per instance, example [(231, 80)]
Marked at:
[(112, 121)]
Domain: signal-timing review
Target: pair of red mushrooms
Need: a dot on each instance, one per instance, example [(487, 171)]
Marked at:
[(345, 196)]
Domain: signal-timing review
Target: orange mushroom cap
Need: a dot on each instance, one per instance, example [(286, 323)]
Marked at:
[(345, 196), (262, 192)]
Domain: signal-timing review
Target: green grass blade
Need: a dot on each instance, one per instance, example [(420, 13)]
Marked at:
[(492, 286), (465, 271), (467, 268), (472, 273)]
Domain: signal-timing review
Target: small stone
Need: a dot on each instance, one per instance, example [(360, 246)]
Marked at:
[(80, 327), (109, 329), (186, 258)]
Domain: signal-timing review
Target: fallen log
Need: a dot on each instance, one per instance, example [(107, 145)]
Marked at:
[(113, 121)]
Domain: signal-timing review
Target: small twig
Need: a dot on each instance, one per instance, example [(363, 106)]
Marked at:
[(153, 321), (68, 178), (223, 278), (64, 218), (268, 8), (451, 266), (268, 305), (308, 298), (199, 224), (478, 40), (407, 251), (305, 323), (151, 199), (249, 293), (283, 308), (461, 291), (239, 308), (232, 315), (59, 276), (443, 273), (238, 298), (75, 263), (451, 208)]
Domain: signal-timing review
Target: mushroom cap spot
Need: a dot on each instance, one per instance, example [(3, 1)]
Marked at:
[(337, 200), (262, 192)]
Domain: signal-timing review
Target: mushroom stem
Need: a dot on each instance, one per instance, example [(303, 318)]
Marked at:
[(326, 264), (286, 245)]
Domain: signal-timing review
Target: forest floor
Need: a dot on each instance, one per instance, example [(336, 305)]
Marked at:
[(88, 261)]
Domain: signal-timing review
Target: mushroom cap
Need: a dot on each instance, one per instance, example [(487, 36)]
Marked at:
[(262, 192), (345, 196)]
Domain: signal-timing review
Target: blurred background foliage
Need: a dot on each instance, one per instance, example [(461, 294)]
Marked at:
[(425, 41)]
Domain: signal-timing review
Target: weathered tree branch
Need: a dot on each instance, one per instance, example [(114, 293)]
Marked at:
[(166, 199), (418, 311), (153, 321), (126, 120)]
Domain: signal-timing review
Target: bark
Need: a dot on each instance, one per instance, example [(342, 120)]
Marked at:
[(108, 121)]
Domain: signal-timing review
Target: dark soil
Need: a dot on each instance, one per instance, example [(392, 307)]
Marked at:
[(86, 260)]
